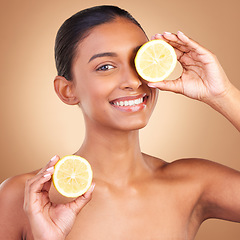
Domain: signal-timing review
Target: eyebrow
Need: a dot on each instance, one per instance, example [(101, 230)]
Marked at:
[(109, 54), (105, 54)]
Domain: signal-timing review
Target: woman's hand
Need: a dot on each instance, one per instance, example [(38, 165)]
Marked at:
[(48, 220), (202, 78)]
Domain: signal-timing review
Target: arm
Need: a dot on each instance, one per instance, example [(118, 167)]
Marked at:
[(229, 106), (202, 79), (11, 211), (220, 197)]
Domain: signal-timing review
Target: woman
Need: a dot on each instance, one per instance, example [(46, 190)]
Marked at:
[(136, 196)]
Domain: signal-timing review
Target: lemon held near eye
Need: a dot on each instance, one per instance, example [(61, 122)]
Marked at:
[(155, 60)]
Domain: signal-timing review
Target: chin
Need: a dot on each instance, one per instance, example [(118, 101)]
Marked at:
[(133, 125)]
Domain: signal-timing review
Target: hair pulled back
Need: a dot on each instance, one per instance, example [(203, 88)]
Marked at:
[(76, 28)]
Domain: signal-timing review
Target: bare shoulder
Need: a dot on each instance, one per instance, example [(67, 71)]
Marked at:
[(189, 167), (12, 189), (177, 166), (12, 216), (199, 168), (14, 186), (218, 185), (154, 163)]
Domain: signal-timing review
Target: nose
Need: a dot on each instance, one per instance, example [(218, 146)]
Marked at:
[(130, 78)]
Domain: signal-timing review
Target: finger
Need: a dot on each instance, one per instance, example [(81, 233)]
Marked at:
[(88, 193), (45, 171), (180, 39), (193, 45), (51, 163), (171, 38), (157, 36), (175, 42), (33, 188), (37, 183), (46, 186), (81, 201), (168, 85), (41, 182), (37, 187), (188, 51)]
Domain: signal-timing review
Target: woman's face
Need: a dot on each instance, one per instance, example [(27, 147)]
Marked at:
[(110, 92)]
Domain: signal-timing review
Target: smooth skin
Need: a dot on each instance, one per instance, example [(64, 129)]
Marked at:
[(137, 196)]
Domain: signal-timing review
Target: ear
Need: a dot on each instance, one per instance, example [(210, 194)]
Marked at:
[(64, 90)]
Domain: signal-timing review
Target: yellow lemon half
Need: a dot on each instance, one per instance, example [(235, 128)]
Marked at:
[(155, 60), (72, 176)]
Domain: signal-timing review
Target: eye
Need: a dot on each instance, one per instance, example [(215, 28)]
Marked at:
[(105, 67)]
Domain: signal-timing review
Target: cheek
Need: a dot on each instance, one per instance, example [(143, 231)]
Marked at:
[(93, 99)]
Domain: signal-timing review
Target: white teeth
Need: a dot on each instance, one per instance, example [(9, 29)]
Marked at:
[(129, 103)]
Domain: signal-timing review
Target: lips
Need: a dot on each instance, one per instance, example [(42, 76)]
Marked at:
[(130, 103)]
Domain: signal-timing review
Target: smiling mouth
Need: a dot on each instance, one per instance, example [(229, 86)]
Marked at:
[(130, 104)]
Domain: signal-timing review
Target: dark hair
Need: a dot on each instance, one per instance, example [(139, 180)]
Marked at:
[(76, 28)]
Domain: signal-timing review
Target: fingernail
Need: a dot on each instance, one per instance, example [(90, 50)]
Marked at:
[(50, 169), (92, 187), (167, 33), (53, 158), (158, 35), (47, 175), (180, 32), (151, 86)]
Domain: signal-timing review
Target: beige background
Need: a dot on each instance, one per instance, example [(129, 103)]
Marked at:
[(35, 124)]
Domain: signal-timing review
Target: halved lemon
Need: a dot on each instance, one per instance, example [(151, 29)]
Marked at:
[(155, 60), (72, 176)]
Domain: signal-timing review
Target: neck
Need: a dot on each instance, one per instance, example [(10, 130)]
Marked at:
[(113, 154)]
